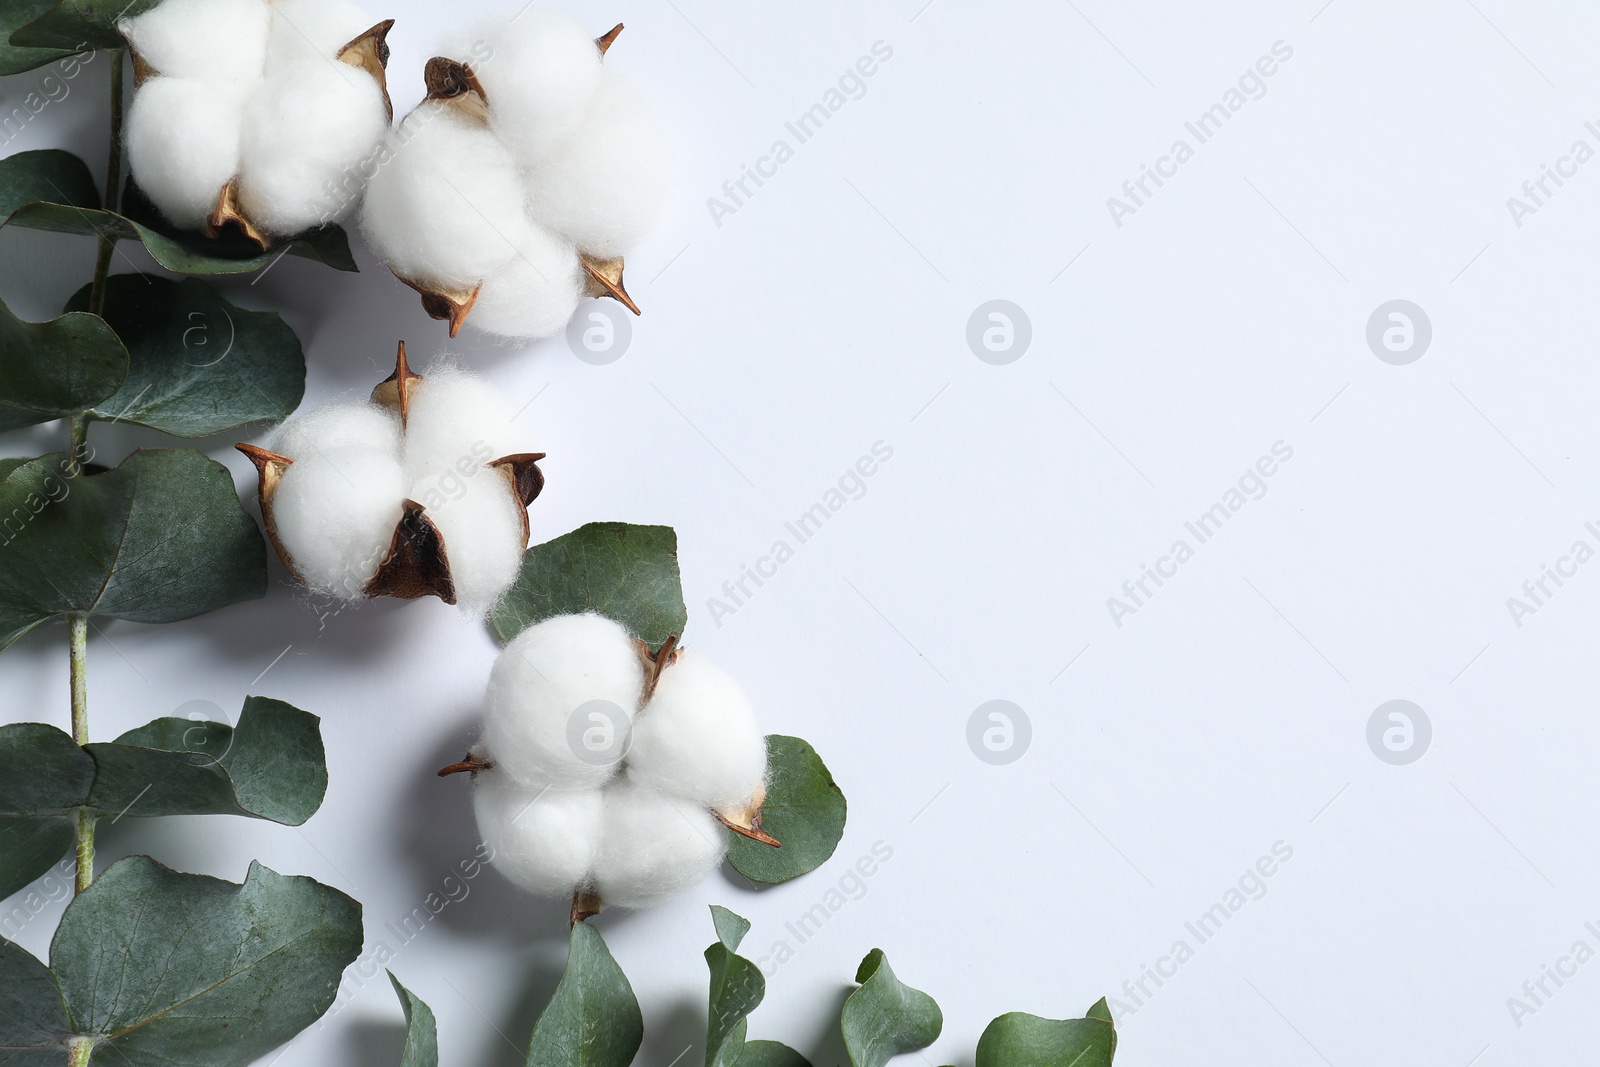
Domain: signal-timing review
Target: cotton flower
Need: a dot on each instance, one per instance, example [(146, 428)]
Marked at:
[(514, 189), (609, 774), (257, 114), (415, 492)]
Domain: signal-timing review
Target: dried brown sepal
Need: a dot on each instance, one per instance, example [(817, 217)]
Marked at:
[(455, 83), (747, 823), (472, 765), (416, 565), (142, 70), (526, 481), (228, 214), (451, 306), (586, 904), (604, 41), (605, 279), (370, 52), (269, 471), (655, 662), (394, 392)]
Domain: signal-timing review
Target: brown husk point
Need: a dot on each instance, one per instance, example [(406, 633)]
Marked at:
[(455, 83), (417, 563)]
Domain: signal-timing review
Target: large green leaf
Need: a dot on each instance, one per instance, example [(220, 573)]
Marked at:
[(182, 969), (161, 538), (47, 174), (14, 59), (1021, 1040), (55, 368), (198, 365), (44, 777), (627, 573), (79, 24), (804, 809), (422, 1032), (737, 987), (593, 1019), (885, 1017), (33, 1021), (771, 1054)]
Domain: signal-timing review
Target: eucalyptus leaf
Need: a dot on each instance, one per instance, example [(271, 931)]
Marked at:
[(626, 573), (804, 809), (29, 847), (197, 365), (593, 1019), (737, 987), (206, 971), (771, 1054), (422, 1032), (885, 1017), (33, 1021), (1021, 1040), (161, 538), (55, 368), (44, 778), (80, 24), (45, 174), (14, 59)]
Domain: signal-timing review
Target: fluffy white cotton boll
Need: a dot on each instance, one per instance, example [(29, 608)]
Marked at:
[(698, 738), (544, 70), (455, 417), (183, 145), (338, 427), (606, 187), (653, 846), (446, 208), (335, 513), (210, 40), (306, 132), (311, 29), (542, 840), (480, 520), (581, 666), (535, 292)]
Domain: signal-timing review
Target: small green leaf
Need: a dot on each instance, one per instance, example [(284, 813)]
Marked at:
[(885, 1018), (422, 1032), (56, 368), (804, 809), (198, 365), (270, 767), (206, 971), (771, 1054), (14, 59), (1021, 1040), (33, 1021), (44, 776), (46, 174), (161, 538), (30, 846), (593, 1019), (80, 24), (1100, 1010), (627, 573), (737, 987)]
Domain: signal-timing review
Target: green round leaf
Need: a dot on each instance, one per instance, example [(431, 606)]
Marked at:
[(197, 365), (804, 810), (33, 1021), (885, 1017), (422, 1032), (206, 971), (46, 174), (627, 573), (737, 987), (14, 59), (1021, 1040), (593, 1019), (771, 1054), (80, 24), (56, 368), (44, 778)]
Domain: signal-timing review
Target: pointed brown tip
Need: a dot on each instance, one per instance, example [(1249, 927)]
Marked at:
[(605, 279), (261, 457), (526, 477), (370, 52), (394, 392), (655, 662), (451, 306), (416, 565), (604, 41), (472, 765), (269, 472), (754, 831), (455, 83), (585, 905), (228, 214)]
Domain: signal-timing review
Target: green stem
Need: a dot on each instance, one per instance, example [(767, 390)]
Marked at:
[(108, 242), (79, 625), (78, 1050)]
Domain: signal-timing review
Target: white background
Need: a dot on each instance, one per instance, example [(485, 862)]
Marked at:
[(1229, 713)]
